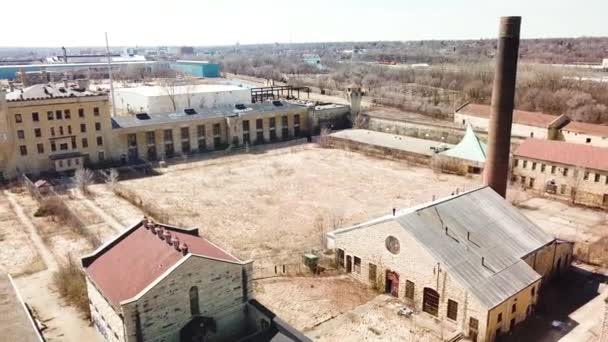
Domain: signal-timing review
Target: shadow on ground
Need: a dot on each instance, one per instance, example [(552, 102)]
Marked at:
[(561, 297)]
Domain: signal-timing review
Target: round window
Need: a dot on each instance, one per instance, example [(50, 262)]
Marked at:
[(392, 244)]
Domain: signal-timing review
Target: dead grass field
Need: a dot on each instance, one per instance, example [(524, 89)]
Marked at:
[(18, 255), (307, 302), (61, 240), (258, 205)]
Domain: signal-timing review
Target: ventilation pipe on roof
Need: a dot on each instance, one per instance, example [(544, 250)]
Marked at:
[(184, 248), (167, 236), (175, 243), (503, 96)]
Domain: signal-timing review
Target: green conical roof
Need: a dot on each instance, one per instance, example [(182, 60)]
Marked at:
[(469, 148)]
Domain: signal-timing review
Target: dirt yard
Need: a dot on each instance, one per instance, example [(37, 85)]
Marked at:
[(307, 302), (258, 205), (18, 256)]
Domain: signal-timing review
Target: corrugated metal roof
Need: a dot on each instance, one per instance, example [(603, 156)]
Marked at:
[(480, 224), (496, 231)]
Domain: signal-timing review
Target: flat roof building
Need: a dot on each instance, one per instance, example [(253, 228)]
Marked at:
[(177, 97), (201, 69)]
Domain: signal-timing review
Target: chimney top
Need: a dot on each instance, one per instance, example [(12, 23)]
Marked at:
[(184, 248)]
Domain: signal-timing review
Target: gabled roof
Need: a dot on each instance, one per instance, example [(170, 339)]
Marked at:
[(586, 128), (469, 148), (135, 259), (578, 155), (521, 117), (462, 230)]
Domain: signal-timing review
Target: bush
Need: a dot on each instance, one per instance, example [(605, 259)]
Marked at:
[(449, 165), (69, 281)]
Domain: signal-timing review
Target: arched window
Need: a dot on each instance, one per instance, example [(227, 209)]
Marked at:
[(194, 309), (430, 301)]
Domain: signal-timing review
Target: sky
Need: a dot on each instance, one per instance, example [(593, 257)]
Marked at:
[(224, 22)]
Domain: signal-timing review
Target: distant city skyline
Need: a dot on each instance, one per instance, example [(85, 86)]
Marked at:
[(129, 23)]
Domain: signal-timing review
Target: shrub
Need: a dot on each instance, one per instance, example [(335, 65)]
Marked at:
[(70, 283)]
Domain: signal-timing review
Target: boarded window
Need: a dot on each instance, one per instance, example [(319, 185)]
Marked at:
[(513, 307), (499, 318), (452, 309), (340, 257), (372, 273), (357, 264), (430, 301), (473, 329), (409, 289)]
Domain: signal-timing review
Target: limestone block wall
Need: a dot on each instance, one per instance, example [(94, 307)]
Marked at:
[(412, 263), (165, 308), (379, 151), (105, 319)]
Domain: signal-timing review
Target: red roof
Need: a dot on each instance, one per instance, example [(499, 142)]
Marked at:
[(586, 128), (521, 117), (586, 156), (124, 267)]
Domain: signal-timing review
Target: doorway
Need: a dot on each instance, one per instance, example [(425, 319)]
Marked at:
[(349, 264), (392, 283)]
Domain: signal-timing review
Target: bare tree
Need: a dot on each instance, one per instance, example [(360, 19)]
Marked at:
[(83, 178), (169, 88), (321, 229), (112, 177)]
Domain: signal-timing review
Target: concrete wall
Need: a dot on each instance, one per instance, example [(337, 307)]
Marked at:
[(165, 308), (412, 263), (570, 187), (35, 162), (105, 320), (379, 151), (128, 100)]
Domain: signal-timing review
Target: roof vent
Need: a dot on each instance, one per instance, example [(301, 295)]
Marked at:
[(277, 103), (159, 232), (240, 106), (190, 111), (142, 116), (175, 242), (184, 248), (167, 236)]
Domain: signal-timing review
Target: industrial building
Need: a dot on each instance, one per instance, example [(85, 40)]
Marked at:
[(574, 172), (174, 97), (471, 260), (156, 282), (56, 127), (77, 70), (200, 69), (162, 136)]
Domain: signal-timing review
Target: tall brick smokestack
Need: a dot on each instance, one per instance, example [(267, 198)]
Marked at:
[(503, 96)]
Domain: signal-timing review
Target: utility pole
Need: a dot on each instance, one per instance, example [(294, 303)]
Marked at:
[(110, 74)]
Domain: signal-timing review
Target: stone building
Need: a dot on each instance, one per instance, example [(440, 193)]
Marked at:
[(472, 261), (162, 283), (54, 127), (573, 172), (159, 136), (584, 133)]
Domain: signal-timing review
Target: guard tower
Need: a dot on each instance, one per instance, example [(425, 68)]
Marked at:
[(354, 95)]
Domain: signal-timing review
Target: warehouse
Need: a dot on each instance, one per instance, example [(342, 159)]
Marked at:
[(175, 97), (471, 260), (202, 69)]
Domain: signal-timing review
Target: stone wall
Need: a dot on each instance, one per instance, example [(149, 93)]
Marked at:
[(165, 308), (105, 319), (412, 263)]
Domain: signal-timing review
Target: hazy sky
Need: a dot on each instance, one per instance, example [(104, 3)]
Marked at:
[(205, 22)]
